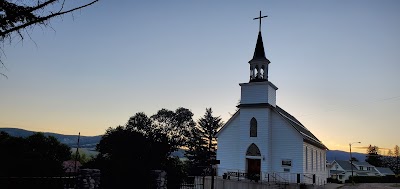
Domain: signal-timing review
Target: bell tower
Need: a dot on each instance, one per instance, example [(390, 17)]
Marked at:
[(259, 63), (259, 91)]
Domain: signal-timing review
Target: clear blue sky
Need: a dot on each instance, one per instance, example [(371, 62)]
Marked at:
[(336, 64)]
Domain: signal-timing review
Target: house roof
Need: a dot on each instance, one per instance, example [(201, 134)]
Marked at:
[(385, 170), (362, 163), (346, 165), (336, 172)]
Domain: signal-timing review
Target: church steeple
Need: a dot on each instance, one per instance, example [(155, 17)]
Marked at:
[(259, 92), (259, 63)]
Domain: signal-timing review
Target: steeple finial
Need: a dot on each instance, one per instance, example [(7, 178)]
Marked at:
[(260, 17)]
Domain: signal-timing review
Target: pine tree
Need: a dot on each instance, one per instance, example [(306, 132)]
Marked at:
[(202, 144), (373, 156), (397, 160)]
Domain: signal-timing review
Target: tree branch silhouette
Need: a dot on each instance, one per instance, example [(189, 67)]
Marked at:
[(16, 16)]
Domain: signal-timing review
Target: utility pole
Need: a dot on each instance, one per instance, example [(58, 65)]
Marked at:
[(77, 152), (351, 162)]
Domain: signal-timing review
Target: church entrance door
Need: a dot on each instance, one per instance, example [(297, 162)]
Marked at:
[(253, 169)]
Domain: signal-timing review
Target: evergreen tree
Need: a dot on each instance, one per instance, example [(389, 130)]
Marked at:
[(396, 167), (373, 156), (202, 144)]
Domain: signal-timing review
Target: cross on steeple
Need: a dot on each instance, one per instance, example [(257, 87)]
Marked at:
[(260, 17)]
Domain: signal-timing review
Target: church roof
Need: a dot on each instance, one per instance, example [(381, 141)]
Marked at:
[(259, 53), (307, 135)]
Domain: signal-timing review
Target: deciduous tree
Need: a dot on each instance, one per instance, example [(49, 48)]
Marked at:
[(18, 17), (36, 155), (127, 154)]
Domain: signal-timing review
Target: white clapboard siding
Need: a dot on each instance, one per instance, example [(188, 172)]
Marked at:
[(257, 92), (287, 143), (228, 145), (315, 162), (262, 117), (271, 95)]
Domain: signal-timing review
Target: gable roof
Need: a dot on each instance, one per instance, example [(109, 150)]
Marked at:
[(362, 163), (346, 165), (307, 135), (385, 170), (228, 122)]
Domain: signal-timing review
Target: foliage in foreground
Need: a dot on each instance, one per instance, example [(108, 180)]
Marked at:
[(17, 17), (36, 155), (128, 154)]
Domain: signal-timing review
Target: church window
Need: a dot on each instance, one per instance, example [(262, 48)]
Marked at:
[(320, 161), (253, 127), (253, 150), (306, 158), (312, 160), (316, 161)]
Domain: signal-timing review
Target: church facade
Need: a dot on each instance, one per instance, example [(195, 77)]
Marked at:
[(264, 141)]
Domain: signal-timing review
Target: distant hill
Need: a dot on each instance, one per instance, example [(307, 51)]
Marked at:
[(70, 140), (341, 155), (90, 142)]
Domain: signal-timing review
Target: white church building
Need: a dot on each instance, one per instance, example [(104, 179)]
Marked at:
[(263, 141)]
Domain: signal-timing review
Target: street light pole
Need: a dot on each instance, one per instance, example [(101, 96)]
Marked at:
[(351, 162)]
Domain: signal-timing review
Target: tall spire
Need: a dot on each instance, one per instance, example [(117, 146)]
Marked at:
[(259, 52), (259, 63)]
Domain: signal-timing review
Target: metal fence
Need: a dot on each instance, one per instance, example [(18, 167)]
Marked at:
[(269, 177), (193, 182)]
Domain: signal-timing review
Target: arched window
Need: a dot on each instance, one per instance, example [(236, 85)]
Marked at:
[(253, 150), (306, 158), (253, 127)]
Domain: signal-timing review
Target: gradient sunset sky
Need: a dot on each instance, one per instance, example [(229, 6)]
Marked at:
[(336, 64)]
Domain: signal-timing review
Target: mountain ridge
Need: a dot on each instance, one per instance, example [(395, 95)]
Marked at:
[(90, 142), (70, 140)]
